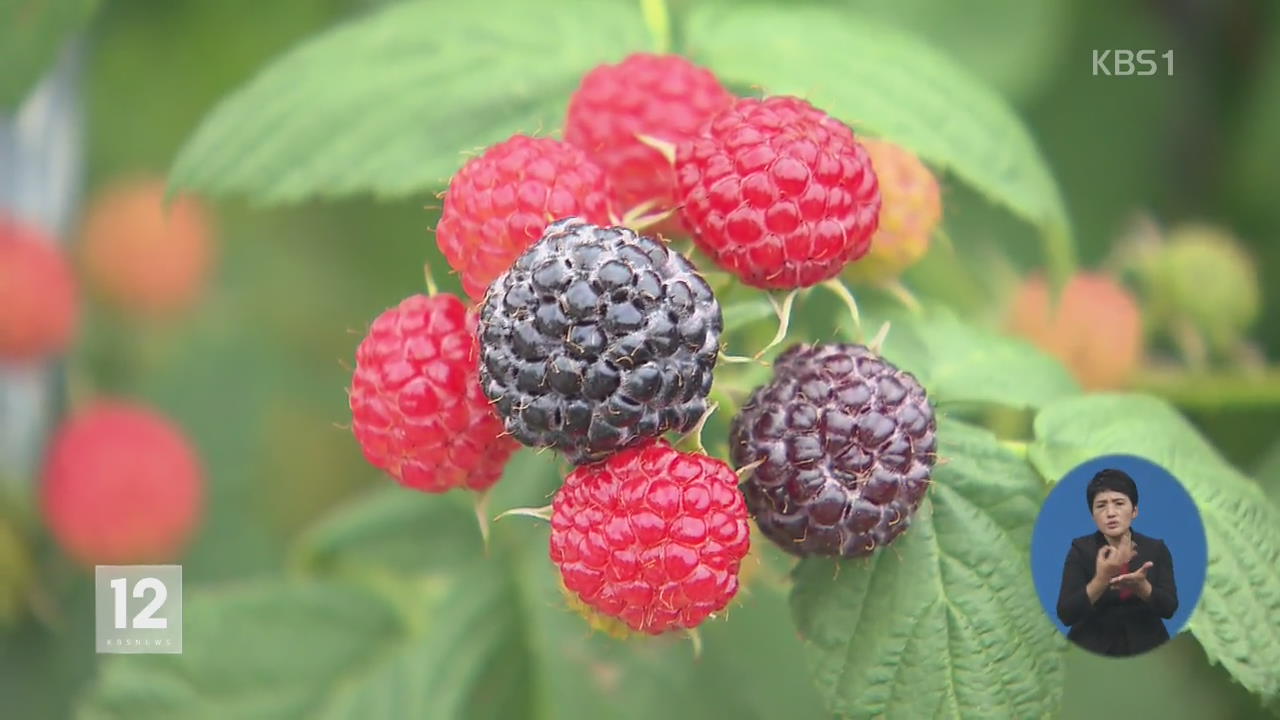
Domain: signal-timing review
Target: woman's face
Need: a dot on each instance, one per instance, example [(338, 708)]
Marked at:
[(1113, 513)]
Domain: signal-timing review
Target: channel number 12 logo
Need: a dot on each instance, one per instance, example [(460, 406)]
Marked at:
[(138, 608)]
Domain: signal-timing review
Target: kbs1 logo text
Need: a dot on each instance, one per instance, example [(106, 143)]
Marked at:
[(1122, 63)]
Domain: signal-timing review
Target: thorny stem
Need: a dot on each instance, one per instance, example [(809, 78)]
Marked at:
[(745, 471), (696, 638), (636, 212), (542, 513), (877, 342), (666, 147), (784, 320), (481, 507), (842, 292), (640, 223), (692, 440), (432, 288), (658, 21), (903, 294)]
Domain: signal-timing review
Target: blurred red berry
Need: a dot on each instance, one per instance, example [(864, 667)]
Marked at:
[(651, 536), (416, 405), (122, 485), (662, 96), (499, 203), (38, 313), (145, 256), (778, 192)]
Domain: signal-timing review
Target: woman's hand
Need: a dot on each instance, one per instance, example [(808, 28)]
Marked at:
[(1112, 561), (1136, 581)]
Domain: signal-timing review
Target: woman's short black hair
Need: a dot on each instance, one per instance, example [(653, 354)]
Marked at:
[(1112, 479)]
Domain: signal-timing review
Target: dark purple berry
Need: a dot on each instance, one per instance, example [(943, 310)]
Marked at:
[(596, 339), (847, 443)]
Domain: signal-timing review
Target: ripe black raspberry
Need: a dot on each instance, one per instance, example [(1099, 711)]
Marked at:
[(847, 442), (596, 338)]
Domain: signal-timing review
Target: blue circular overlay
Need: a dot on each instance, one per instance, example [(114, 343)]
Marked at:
[(1165, 511)]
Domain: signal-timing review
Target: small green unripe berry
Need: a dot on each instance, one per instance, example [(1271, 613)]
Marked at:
[(1203, 277)]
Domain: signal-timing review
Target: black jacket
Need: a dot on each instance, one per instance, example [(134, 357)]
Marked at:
[(1115, 626)]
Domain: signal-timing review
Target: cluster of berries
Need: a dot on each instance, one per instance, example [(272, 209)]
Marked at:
[(1197, 294), (140, 256), (120, 482), (595, 340)]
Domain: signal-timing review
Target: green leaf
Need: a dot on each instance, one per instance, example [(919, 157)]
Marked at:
[(401, 531), (755, 666), (389, 103), (451, 631), (396, 529), (1268, 473), (1253, 138), (945, 622), (885, 82), (1009, 43), (435, 675), (741, 313), (961, 363), (1235, 620), (268, 650), (488, 637), (31, 35), (605, 678), (323, 650), (756, 657)]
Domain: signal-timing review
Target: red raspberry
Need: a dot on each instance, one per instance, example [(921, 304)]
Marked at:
[(778, 192), (416, 405), (663, 96), (912, 208), (122, 485), (38, 314), (499, 203), (651, 536)]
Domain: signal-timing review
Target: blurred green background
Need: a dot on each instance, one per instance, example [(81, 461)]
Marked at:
[(257, 374)]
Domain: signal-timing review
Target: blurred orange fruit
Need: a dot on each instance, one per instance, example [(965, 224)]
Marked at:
[(1095, 329), (38, 313), (143, 256), (911, 208)]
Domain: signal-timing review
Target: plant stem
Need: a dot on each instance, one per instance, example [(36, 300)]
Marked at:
[(658, 21), (1060, 255), (1017, 447), (1213, 390)]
